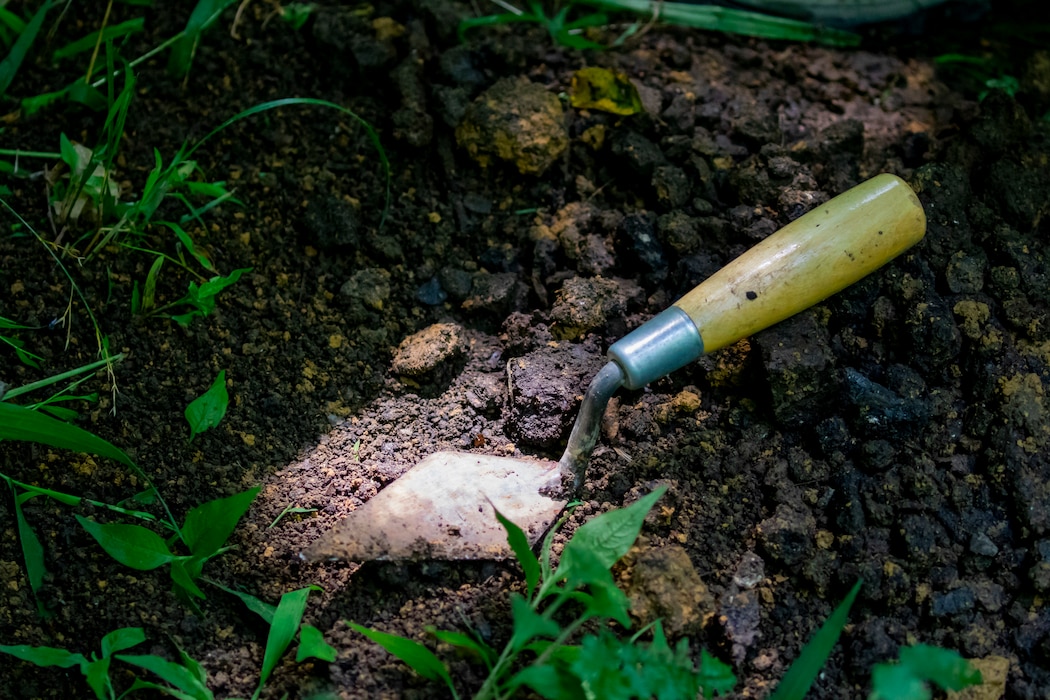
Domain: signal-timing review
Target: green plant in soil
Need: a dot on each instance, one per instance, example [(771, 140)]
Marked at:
[(570, 19), (207, 410), (916, 667), (187, 679), (539, 655)]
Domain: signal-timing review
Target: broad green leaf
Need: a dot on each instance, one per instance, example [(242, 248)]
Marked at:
[(208, 409), (183, 678), (519, 544), (944, 667), (19, 423), (608, 536), (804, 670), (131, 545), (418, 657), (124, 638), (285, 624), (216, 284), (529, 624), (44, 656), (209, 525), (313, 645), (96, 672), (463, 641)]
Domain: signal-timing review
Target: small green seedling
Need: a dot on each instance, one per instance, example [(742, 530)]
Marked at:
[(95, 668), (207, 410), (918, 665), (187, 680), (201, 298), (204, 533), (17, 345), (582, 581), (296, 13), (290, 510), (285, 620)]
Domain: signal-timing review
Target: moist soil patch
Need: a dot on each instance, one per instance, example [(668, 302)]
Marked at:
[(898, 433)]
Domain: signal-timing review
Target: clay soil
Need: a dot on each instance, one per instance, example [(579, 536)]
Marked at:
[(898, 433)]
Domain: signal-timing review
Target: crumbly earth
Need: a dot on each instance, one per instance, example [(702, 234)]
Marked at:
[(898, 433)]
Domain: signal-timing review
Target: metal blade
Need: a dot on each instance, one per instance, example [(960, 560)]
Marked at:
[(442, 508)]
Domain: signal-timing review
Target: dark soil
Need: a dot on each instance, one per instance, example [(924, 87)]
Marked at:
[(897, 433)]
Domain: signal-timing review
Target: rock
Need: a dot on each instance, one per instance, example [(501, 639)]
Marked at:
[(679, 231), (516, 121), (638, 236), (672, 186), (641, 155), (332, 224), (881, 412), (789, 536), (994, 670), (583, 304), (954, 602), (367, 290), (800, 366), (662, 583), (750, 571), (740, 614), (547, 386), (423, 353), (431, 293), (500, 293), (1040, 571)]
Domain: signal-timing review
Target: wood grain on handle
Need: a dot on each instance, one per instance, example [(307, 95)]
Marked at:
[(813, 257)]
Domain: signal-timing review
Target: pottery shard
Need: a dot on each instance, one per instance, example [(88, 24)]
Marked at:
[(516, 121), (421, 353)]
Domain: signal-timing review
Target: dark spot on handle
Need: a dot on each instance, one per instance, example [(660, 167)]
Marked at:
[(751, 296)]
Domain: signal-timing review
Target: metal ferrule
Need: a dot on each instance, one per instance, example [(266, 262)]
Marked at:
[(664, 343)]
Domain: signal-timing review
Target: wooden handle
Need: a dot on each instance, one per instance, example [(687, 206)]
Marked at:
[(813, 257)]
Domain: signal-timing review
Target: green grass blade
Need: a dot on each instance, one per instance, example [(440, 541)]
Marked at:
[(418, 657), (285, 624), (20, 423), (203, 15), (32, 550), (724, 19), (83, 369), (44, 656), (13, 61), (88, 42), (131, 545), (259, 607), (373, 136), (804, 670), (176, 674)]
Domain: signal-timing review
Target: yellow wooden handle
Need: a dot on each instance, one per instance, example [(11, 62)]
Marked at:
[(823, 252)]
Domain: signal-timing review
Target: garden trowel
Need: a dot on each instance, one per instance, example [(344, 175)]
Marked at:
[(442, 508)]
